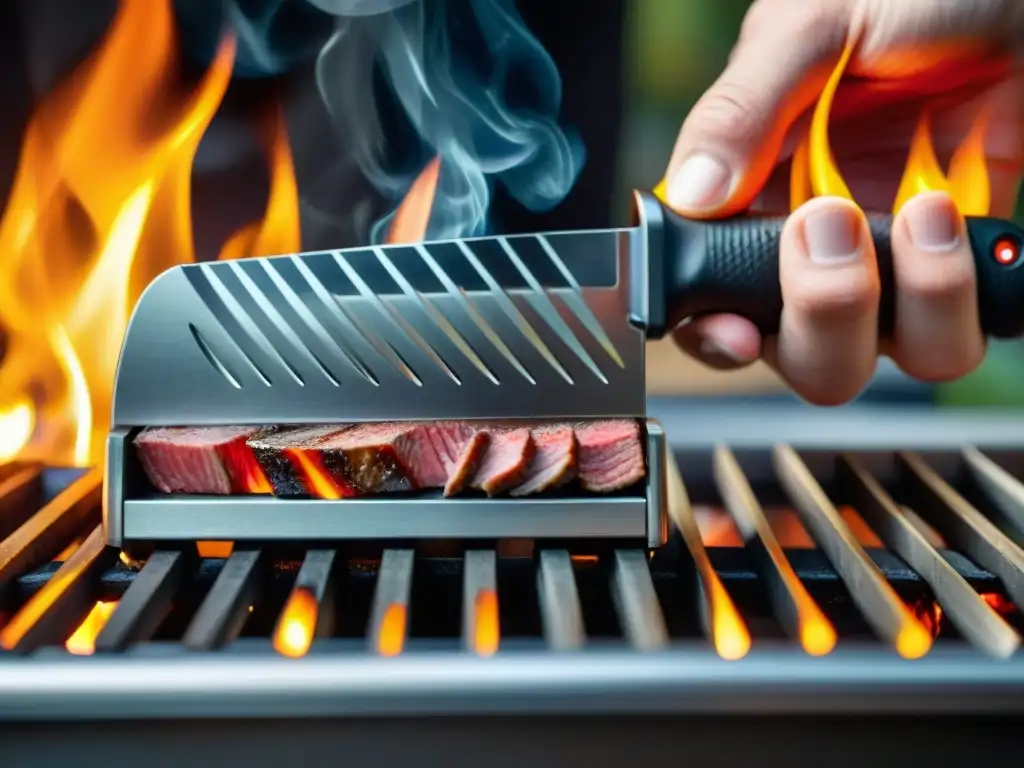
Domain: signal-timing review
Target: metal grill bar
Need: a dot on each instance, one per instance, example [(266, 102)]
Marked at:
[(964, 526), (481, 626), (20, 494), (226, 607), (722, 623), (881, 606), (146, 602), (637, 603), (53, 612), (799, 615), (308, 613), (1002, 488), (389, 616), (561, 613), (649, 619), (968, 611), (47, 532)]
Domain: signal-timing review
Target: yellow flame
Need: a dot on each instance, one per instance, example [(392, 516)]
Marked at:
[(729, 634), (817, 636), (913, 640), (16, 426), (487, 630), (814, 171), (278, 231), (82, 219), (83, 640), (100, 205), (392, 630), (293, 635)]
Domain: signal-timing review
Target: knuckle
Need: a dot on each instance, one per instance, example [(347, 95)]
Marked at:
[(938, 362), (811, 22), (730, 110), (834, 301), (941, 281), (815, 21)]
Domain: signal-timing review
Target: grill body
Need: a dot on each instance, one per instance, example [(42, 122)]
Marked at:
[(183, 670)]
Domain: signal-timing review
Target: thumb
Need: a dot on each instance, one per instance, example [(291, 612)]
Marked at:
[(730, 141)]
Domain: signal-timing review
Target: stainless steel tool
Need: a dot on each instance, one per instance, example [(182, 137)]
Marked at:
[(529, 326)]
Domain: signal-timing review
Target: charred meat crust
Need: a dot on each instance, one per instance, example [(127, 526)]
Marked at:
[(272, 451)]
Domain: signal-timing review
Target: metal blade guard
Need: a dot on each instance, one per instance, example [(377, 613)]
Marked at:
[(520, 327)]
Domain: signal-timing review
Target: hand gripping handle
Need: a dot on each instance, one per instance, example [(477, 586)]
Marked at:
[(732, 266)]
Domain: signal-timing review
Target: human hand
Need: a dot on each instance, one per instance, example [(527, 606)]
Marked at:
[(734, 150)]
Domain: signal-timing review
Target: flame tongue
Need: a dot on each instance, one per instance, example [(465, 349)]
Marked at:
[(101, 204), (412, 217), (815, 172)]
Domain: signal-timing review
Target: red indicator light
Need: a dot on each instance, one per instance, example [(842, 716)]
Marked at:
[(1006, 251)]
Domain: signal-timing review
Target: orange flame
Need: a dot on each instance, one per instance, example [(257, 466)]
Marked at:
[(999, 603), (101, 204), (83, 640), (412, 216), (487, 630), (814, 170), (278, 231), (392, 630), (321, 483), (293, 635)]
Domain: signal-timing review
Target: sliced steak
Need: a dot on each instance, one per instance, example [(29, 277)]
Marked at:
[(404, 456), (554, 460), (611, 454), (291, 462), (202, 459), (508, 455)]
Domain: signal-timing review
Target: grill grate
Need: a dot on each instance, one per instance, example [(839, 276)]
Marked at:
[(951, 571)]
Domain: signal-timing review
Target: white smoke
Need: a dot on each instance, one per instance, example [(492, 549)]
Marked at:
[(470, 81), (358, 7), (456, 102)]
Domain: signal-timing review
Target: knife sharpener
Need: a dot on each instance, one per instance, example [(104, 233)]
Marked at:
[(520, 327)]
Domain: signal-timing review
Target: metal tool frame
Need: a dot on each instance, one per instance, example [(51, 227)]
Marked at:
[(531, 326), (133, 513)]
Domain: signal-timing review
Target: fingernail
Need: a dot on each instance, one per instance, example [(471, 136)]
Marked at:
[(833, 234), (712, 351), (701, 182), (933, 222)]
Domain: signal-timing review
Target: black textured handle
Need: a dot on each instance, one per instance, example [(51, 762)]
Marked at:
[(732, 266)]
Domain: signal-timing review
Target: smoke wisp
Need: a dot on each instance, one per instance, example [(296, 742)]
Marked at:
[(475, 87)]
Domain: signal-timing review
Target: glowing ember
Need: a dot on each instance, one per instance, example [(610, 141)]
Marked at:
[(487, 630), (392, 631), (729, 634), (814, 170), (914, 640), (817, 636), (929, 613), (100, 205), (999, 603), (293, 635), (215, 550), (83, 640)]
